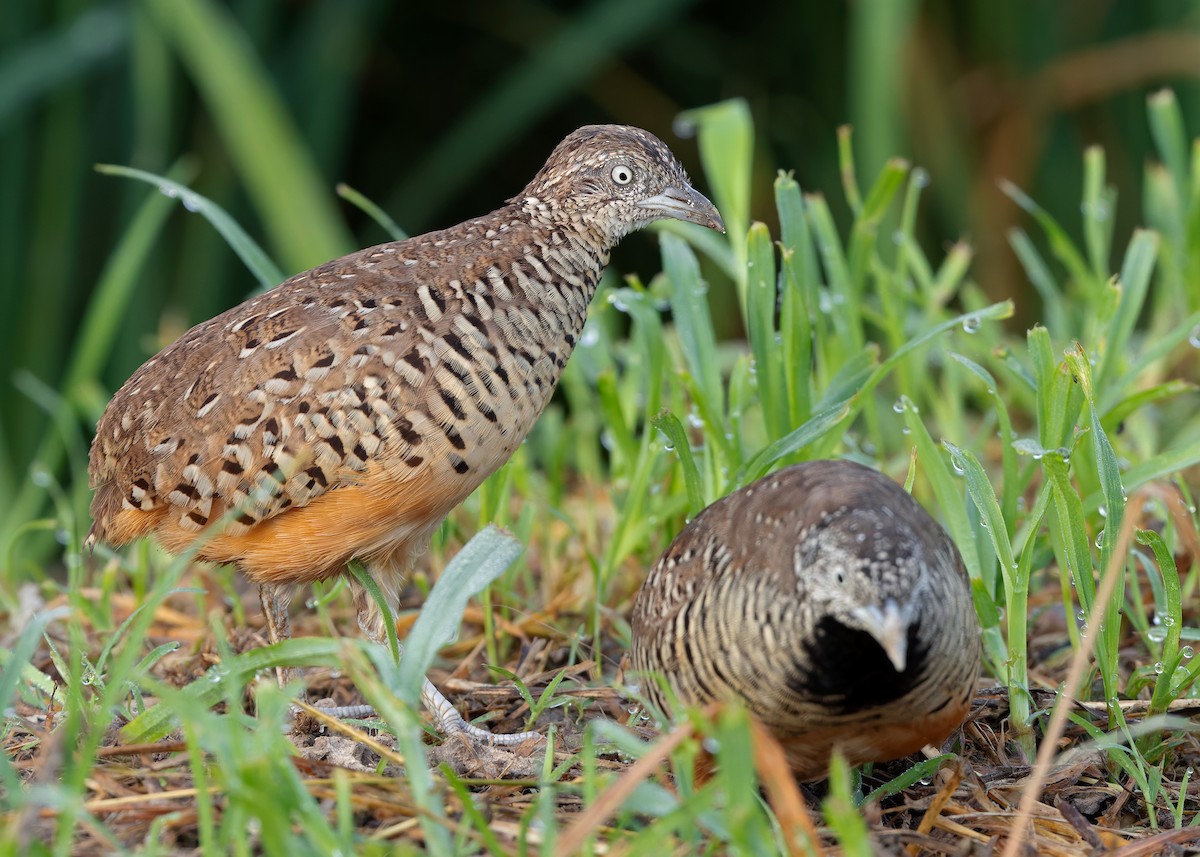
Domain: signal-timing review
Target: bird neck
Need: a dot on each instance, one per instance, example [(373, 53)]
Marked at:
[(550, 213)]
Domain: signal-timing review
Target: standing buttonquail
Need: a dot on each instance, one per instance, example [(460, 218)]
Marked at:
[(344, 413), (826, 599)]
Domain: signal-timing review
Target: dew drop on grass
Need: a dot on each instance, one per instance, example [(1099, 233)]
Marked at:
[(920, 177), (905, 430), (1158, 668), (1100, 539), (970, 325), (899, 407), (1156, 634), (956, 463), (711, 745), (1194, 337), (168, 191), (1102, 511), (1187, 652)]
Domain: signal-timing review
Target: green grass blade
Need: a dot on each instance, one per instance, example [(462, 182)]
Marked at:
[(296, 205), (677, 438), (693, 320), (1135, 282), (480, 561), (258, 262)]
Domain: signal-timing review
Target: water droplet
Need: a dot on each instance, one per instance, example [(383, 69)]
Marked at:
[(1158, 668), (1168, 620), (898, 406), (1187, 652), (1156, 634), (1103, 511), (957, 465), (1063, 453), (591, 336), (1097, 210), (905, 430), (618, 303), (898, 237), (694, 420), (920, 177), (1194, 337), (41, 477), (711, 745), (970, 325), (1100, 539), (668, 447), (168, 191), (190, 202)]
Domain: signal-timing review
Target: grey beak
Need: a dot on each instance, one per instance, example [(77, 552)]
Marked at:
[(685, 203), (889, 627)]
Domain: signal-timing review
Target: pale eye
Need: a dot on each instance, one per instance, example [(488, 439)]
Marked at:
[(621, 174)]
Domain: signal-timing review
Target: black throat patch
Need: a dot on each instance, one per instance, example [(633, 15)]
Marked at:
[(847, 669)]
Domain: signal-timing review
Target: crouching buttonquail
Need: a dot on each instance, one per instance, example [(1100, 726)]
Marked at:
[(344, 413), (826, 599)]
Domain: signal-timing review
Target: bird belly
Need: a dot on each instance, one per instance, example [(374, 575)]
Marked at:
[(890, 735)]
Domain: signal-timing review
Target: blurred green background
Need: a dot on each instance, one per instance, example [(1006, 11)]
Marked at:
[(440, 111)]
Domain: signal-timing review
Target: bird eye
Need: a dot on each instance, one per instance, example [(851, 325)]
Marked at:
[(621, 174)]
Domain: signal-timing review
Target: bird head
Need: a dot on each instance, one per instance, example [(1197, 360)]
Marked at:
[(872, 585), (612, 180)]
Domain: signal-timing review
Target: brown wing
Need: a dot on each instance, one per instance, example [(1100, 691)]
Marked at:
[(285, 397)]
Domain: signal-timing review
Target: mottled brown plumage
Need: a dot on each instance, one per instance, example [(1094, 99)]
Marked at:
[(344, 413), (826, 599)]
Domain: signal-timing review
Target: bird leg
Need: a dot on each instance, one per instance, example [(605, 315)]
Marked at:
[(279, 625), (371, 619), (450, 722)]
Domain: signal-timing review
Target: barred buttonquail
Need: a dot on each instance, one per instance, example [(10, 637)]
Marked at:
[(344, 413), (826, 599)]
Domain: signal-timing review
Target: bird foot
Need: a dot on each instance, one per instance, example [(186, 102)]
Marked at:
[(449, 722)]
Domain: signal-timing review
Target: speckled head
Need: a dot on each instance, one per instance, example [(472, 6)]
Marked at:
[(615, 179)]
